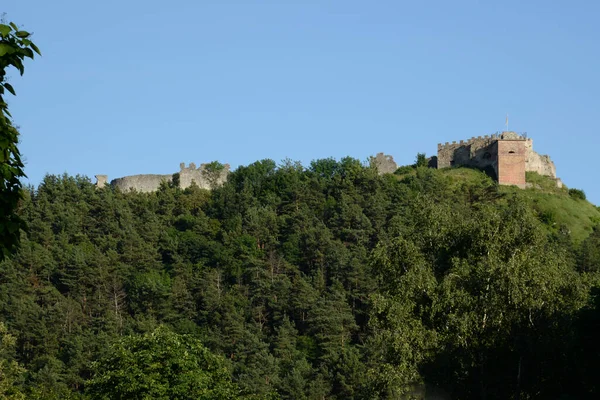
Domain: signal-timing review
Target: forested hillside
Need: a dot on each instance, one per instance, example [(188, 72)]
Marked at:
[(319, 282)]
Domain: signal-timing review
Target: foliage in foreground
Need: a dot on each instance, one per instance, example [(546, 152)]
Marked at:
[(160, 365), (303, 283), (15, 47)]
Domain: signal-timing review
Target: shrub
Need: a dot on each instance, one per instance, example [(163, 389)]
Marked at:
[(577, 194), (405, 169), (421, 160)]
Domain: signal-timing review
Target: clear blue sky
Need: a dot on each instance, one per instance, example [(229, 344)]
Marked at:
[(138, 86)]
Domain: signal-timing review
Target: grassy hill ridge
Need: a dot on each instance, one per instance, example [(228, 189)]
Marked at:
[(560, 209)]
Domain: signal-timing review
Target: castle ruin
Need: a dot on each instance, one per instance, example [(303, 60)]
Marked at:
[(207, 176), (506, 156), (384, 163)]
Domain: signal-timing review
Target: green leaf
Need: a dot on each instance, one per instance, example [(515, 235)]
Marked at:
[(5, 30), (19, 65), (5, 49), (15, 27), (9, 87), (23, 34), (35, 48)]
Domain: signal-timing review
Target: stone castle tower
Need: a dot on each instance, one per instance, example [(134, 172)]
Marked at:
[(506, 156)]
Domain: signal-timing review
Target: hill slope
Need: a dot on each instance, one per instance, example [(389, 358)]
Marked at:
[(326, 281), (559, 211)]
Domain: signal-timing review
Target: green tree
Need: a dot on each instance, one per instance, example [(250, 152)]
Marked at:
[(11, 373), (160, 365), (399, 341), (15, 46), (213, 172), (295, 369), (590, 252), (503, 288), (577, 194), (421, 160)]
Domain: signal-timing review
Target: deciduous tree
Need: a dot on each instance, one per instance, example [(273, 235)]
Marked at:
[(15, 47)]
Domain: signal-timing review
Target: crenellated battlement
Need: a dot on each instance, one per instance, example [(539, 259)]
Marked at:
[(484, 140), (203, 167), (191, 167)]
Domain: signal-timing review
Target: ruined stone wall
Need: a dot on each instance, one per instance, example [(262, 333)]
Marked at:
[(384, 163), (203, 176), (101, 181), (542, 164), (477, 152), (140, 183)]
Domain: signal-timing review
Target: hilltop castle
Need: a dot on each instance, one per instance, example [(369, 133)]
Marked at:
[(506, 156)]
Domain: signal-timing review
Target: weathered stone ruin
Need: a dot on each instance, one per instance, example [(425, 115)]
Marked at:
[(384, 163), (506, 156), (207, 176)]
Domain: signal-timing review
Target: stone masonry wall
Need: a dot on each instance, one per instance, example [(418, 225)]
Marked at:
[(542, 164), (466, 152), (203, 177), (384, 163), (101, 181), (511, 162), (483, 152), (140, 183)]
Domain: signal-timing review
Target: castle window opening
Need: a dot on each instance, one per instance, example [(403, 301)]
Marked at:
[(511, 152)]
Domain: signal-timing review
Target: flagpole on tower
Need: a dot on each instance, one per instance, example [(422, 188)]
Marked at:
[(506, 122)]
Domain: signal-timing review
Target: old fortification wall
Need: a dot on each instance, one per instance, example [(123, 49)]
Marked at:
[(484, 152), (204, 176), (542, 164), (101, 180), (207, 176), (384, 163), (140, 183), (470, 152)]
